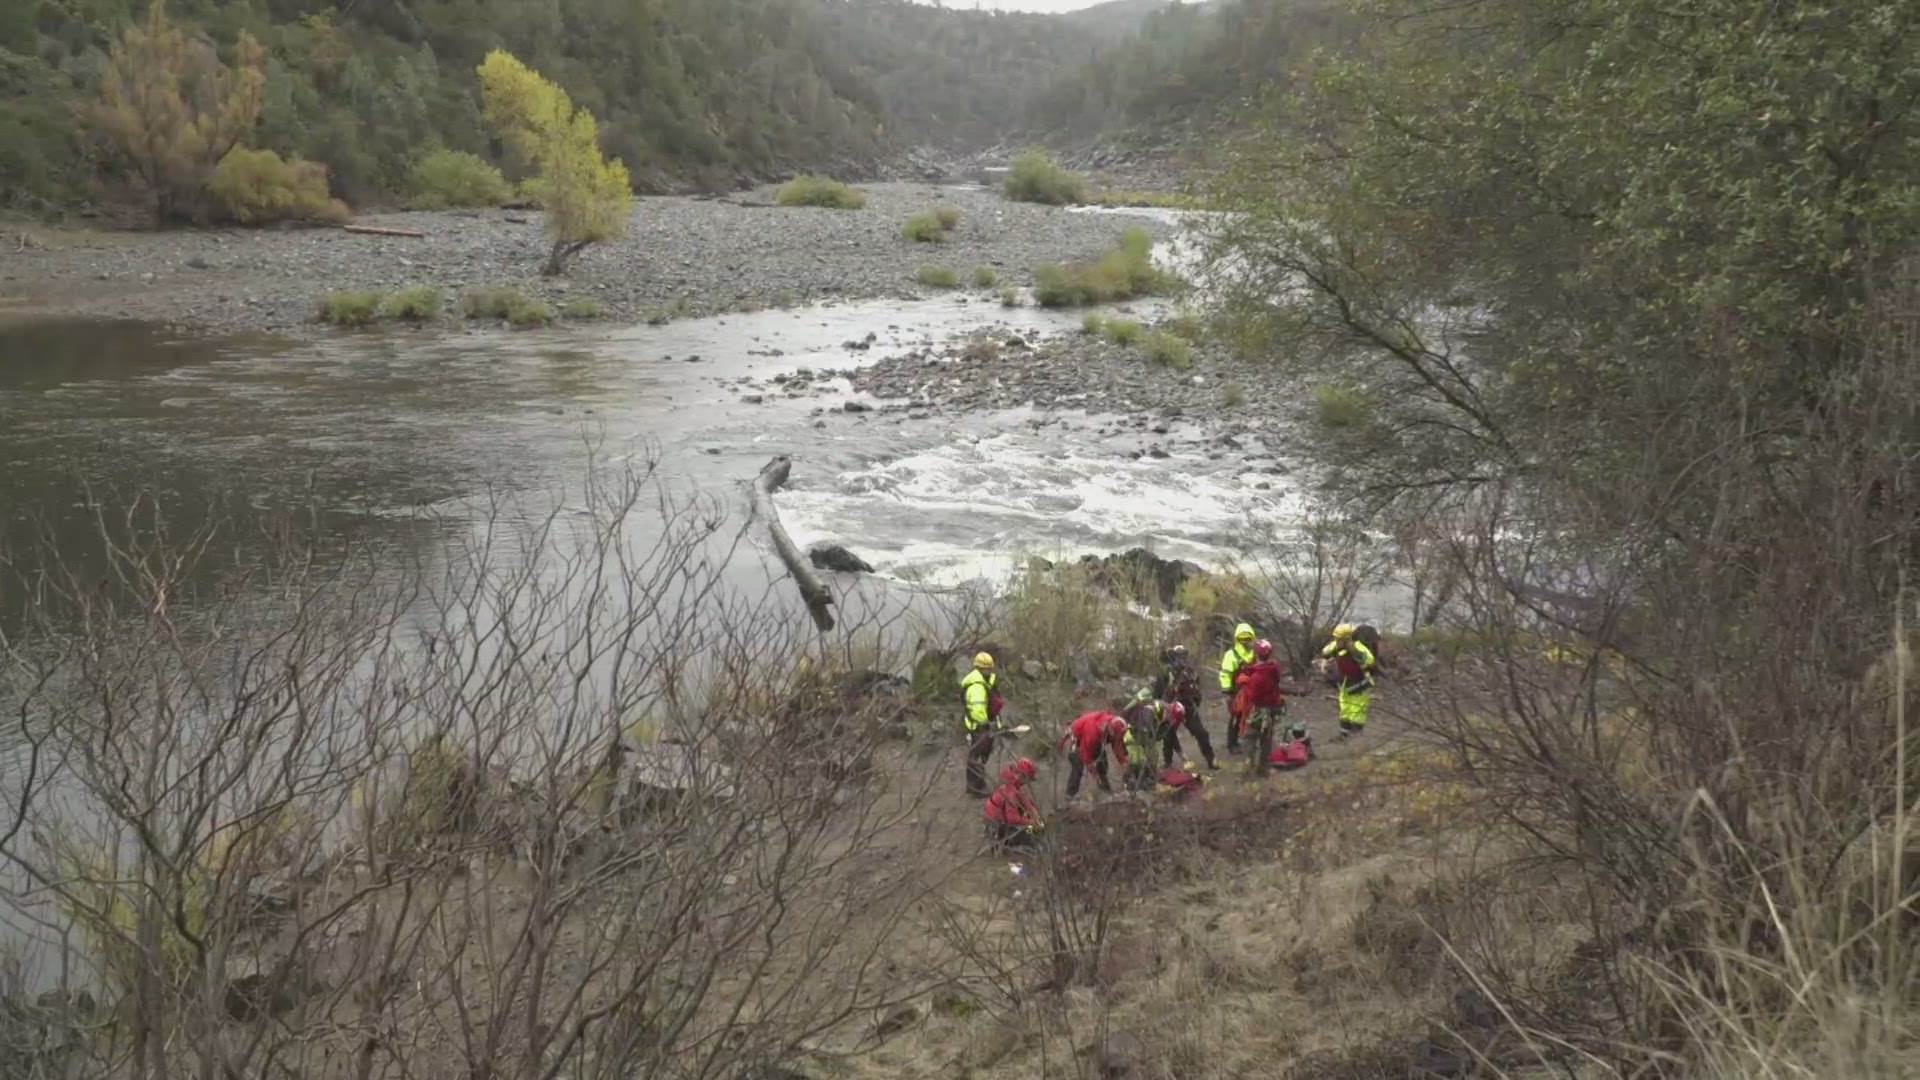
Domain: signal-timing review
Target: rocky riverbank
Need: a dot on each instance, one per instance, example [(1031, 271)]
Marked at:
[(682, 256), (1217, 400)]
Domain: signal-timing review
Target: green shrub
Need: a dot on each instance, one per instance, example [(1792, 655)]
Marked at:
[(923, 228), (1123, 331), (351, 307), (1164, 348), (1185, 323), (663, 314), (586, 308), (1093, 323), (415, 303), (984, 277), (256, 188), (442, 794), (948, 216), (809, 189), (1121, 274), (443, 178), (1341, 406), (938, 277), (1009, 296), (526, 312), (1233, 394), (1037, 178), (490, 301)]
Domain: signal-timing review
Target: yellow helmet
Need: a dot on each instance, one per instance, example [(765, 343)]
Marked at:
[(1343, 631), (985, 660)]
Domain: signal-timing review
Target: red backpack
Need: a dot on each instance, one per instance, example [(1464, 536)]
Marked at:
[(1289, 755)]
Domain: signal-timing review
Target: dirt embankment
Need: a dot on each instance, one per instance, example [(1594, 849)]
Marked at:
[(681, 256)]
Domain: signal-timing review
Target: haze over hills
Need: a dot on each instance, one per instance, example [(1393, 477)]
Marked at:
[(1125, 16)]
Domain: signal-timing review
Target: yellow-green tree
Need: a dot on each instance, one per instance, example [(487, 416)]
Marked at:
[(586, 195), (172, 109)]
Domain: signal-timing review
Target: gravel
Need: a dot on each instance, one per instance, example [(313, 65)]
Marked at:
[(682, 256), (1220, 401), (1076, 371)]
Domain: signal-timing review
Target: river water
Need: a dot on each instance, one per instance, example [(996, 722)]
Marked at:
[(372, 428)]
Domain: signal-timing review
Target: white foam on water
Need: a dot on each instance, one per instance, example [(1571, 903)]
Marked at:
[(976, 508)]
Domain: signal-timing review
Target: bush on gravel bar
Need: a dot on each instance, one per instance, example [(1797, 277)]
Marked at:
[(811, 189)]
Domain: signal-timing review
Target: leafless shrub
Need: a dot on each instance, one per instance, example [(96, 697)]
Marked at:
[(532, 807), (1312, 576)]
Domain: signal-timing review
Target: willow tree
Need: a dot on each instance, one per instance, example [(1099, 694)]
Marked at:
[(173, 109), (585, 193)]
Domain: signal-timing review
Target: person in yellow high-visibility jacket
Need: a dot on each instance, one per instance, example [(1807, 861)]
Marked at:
[(982, 701), (1238, 655), (1353, 672)]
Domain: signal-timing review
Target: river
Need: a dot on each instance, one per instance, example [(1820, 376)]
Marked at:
[(373, 428)]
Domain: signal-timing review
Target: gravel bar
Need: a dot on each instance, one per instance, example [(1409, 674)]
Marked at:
[(683, 256)]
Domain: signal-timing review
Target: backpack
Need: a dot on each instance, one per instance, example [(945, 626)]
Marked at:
[(1177, 779), (1290, 755)]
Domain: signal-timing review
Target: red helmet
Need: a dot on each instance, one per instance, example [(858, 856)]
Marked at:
[(1114, 726), (1263, 649), (1176, 713), (1026, 768)]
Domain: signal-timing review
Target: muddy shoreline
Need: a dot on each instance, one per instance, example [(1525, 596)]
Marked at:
[(682, 257)]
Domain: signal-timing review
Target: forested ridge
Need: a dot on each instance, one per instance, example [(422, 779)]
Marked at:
[(688, 93)]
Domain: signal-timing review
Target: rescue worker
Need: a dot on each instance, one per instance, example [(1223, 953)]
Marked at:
[(1352, 670), (1259, 681), (1156, 721), (1180, 683), (1090, 734), (1013, 820), (1237, 655), (983, 703)]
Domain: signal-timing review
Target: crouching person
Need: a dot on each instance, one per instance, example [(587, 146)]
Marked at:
[(1090, 736), (1013, 820)]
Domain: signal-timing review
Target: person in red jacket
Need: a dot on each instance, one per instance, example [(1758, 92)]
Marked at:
[(1086, 734), (1012, 817), (1266, 702)]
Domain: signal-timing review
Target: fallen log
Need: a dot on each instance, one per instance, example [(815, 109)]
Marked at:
[(376, 230), (819, 600)]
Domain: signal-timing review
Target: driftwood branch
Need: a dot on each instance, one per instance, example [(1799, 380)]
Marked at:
[(376, 230), (818, 599)]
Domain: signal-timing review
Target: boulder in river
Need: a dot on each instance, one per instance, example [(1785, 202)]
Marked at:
[(1139, 574), (837, 557)]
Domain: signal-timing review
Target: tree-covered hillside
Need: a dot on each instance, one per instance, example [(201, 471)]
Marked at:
[(686, 91), (1185, 61)]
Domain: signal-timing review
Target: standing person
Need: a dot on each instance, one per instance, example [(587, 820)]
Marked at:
[(1091, 734), (983, 702), (1238, 654), (1012, 818), (1353, 671), (1180, 683), (1259, 681)]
